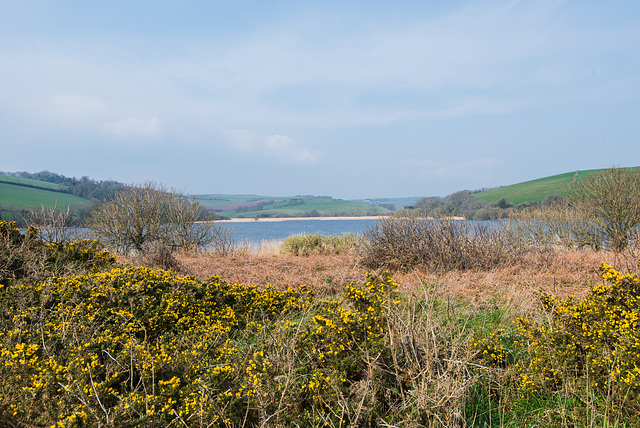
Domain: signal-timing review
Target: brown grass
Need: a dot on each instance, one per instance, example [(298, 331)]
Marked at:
[(560, 272)]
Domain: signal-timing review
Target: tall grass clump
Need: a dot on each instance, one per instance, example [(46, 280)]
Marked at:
[(303, 245), (401, 243)]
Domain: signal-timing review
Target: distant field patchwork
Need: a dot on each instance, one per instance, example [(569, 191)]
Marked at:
[(249, 206)]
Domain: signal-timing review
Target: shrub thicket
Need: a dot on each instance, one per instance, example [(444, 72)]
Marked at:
[(401, 243), (137, 215), (590, 345)]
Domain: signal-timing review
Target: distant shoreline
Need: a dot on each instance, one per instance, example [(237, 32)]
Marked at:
[(274, 219)]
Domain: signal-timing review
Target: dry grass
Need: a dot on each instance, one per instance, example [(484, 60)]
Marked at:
[(324, 273), (561, 272), (517, 287)]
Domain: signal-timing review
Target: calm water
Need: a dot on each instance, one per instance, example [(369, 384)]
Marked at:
[(256, 231)]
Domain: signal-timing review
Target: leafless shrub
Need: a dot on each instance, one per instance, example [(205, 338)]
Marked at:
[(53, 224), (223, 242), (137, 215), (610, 200), (401, 243)]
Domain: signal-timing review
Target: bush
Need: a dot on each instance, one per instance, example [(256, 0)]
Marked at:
[(140, 214), (27, 258), (54, 225), (610, 200), (134, 347), (401, 243), (590, 345), (303, 245), (131, 346)]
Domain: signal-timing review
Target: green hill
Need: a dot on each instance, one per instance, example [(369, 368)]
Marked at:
[(534, 190), (18, 194), (27, 182), (251, 206)]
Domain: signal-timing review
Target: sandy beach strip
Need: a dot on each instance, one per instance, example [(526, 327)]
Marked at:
[(272, 219)]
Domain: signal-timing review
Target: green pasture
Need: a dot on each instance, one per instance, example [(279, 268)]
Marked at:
[(30, 182), (534, 190), (400, 203), (281, 206), (224, 200), (18, 197)]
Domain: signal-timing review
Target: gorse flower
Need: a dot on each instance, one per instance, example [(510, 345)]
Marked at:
[(130, 343), (595, 340)]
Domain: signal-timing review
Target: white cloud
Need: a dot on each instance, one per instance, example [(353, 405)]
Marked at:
[(132, 126), (276, 146)]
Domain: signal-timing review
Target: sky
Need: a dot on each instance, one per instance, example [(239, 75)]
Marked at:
[(350, 99)]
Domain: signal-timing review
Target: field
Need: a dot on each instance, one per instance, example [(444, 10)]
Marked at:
[(534, 190), (250, 206), (15, 198), (398, 202), (530, 191), (29, 182)]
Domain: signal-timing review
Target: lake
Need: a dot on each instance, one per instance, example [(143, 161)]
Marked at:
[(257, 231)]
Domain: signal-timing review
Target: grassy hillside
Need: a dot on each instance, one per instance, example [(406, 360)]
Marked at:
[(534, 190), (15, 197), (250, 206), (27, 182)]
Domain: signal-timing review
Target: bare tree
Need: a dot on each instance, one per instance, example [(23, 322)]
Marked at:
[(610, 198), (138, 215), (54, 224)]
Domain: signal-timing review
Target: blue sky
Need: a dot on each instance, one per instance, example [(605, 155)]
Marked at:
[(351, 99)]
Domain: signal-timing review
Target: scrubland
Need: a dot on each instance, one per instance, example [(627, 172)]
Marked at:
[(466, 330)]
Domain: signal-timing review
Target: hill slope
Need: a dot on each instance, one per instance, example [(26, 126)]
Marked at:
[(22, 194), (251, 206), (535, 190)]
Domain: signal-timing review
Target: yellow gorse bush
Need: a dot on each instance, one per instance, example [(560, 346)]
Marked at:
[(593, 342), (129, 344), (141, 347)]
